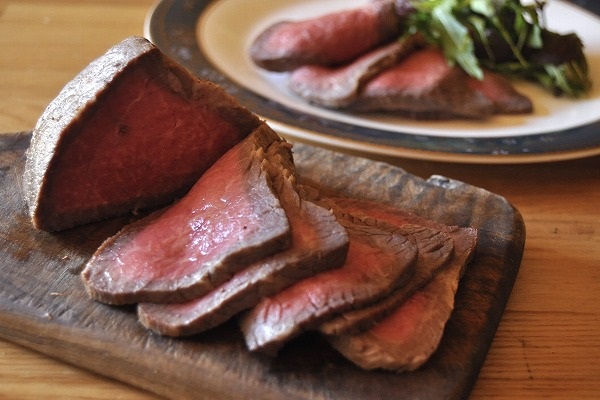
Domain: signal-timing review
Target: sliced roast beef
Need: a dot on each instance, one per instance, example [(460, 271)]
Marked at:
[(337, 87), (408, 337), (230, 218), (378, 261), (319, 243), (331, 39), (505, 98), (464, 243), (424, 86), (132, 130)]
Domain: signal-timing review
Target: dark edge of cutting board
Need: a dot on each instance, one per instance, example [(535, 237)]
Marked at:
[(43, 305)]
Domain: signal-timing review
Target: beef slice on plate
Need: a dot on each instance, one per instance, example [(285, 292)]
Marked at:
[(133, 130), (378, 261), (338, 87), (423, 85), (230, 218), (329, 39), (503, 95), (319, 243)]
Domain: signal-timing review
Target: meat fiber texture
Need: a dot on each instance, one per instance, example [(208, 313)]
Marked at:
[(133, 130), (378, 261), (319, 243), (436, 249), (402, 331), (230, 218)]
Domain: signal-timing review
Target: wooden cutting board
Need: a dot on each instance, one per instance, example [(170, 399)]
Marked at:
[(43, 305)]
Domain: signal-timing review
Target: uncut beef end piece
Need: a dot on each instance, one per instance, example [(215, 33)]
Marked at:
[(407, 338), (132, 130), (338, 87), (464, 244), (423, 86), (230, 218), (331, 39), (377, 262), (319, 243)]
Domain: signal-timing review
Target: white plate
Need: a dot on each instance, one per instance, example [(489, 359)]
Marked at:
[(212, 37)]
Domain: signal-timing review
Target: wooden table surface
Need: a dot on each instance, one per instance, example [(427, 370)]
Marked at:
[(548, 342)]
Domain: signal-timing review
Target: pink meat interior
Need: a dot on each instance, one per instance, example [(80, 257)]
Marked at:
[(215, 216), (143, 140)]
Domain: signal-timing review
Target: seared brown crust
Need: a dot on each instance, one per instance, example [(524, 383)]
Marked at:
[(378, 262), (339, 87), (435, 243), (64, 120)]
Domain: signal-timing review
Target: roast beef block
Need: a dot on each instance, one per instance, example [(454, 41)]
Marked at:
[(338, 87), (408, 337), (423, 86), (230, 218), (132, 130), (319, 243), (378, 261), (464, 243), (331, 39)]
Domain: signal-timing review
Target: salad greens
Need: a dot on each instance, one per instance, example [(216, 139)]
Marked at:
[(501, 35)]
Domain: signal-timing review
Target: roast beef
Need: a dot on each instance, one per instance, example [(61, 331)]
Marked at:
[(132, 130), (331, 39), (424, 86), (319, 242), (338, 87), (504, 97), (464, 244), (408, 337), (230, 218), (378, 261)]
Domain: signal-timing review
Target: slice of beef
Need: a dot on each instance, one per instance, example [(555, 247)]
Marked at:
[(337, 87), (377, 262), (423, 86), (132, 130), (319, 243), (505, 98), (330, 39), (230, 218), (464, 244), (408, 337)]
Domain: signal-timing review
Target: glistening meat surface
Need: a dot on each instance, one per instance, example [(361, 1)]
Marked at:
[(319, 243), (230, 218)]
